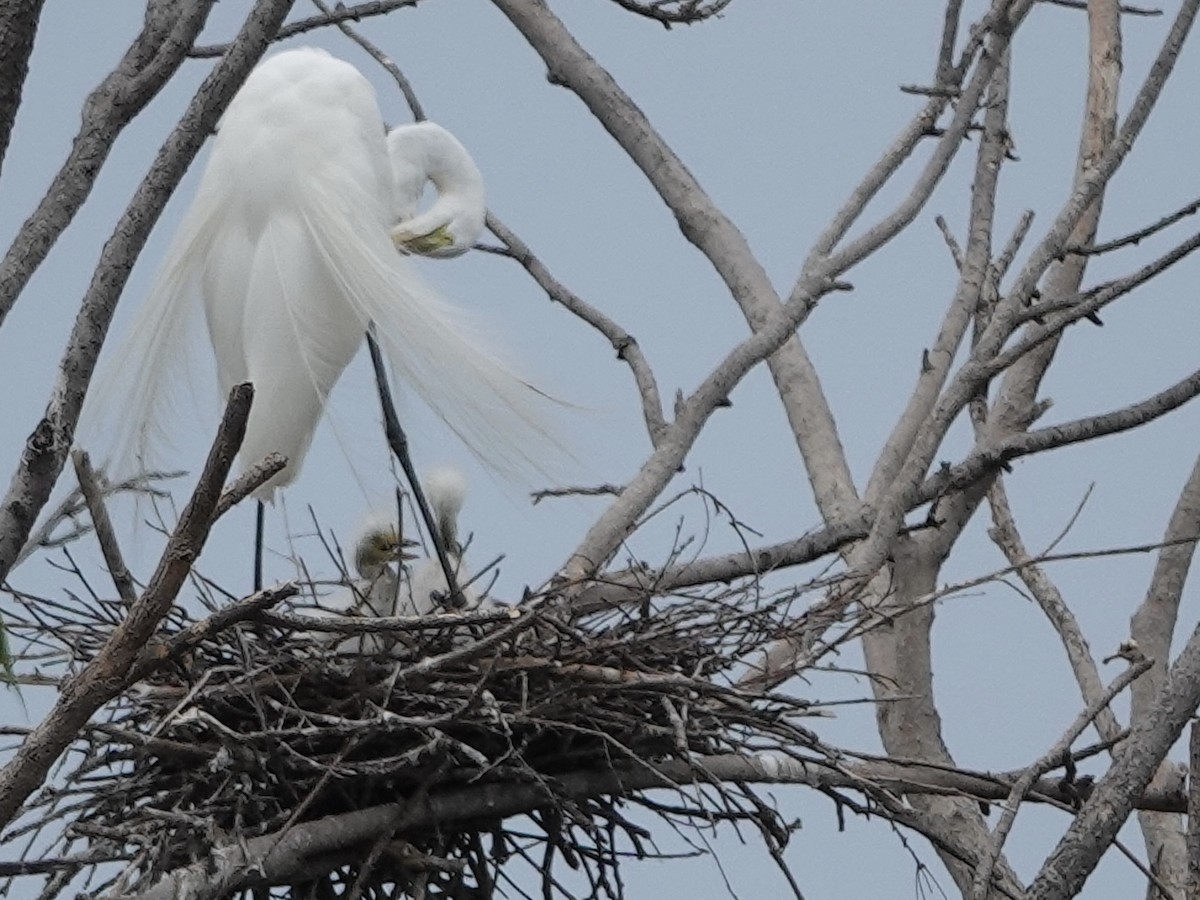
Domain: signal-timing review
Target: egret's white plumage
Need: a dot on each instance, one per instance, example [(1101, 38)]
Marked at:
[(290, 247)]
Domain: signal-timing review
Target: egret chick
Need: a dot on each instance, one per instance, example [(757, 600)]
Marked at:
[(379, 551), (427, 590)]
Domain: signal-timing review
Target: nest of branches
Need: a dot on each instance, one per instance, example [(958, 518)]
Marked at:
[(417, 757)]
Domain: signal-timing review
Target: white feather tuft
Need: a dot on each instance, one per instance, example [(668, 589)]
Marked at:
[(446, 491)]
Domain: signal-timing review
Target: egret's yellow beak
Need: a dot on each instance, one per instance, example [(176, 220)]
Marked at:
[(424, 244)]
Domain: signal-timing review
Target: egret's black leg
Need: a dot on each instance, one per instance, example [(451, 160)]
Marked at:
[(260, 515)]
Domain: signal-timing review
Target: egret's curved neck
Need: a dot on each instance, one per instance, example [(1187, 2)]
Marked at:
[(422, 153), (425, 152)]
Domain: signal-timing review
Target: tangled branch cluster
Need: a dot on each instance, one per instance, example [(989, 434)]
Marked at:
[(675, 12), (479, 740)]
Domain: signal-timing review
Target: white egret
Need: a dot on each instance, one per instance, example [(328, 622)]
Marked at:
[(290, 248)]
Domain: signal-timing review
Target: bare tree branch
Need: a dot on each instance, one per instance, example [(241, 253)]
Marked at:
[(983, 461), (968, 380), (355, 13), (675, 12), (108, 673), (622, 341), (1095, 828), (1193, 813), (105, 535), (1052, 759), (272, 859), (154, 655), (1005, 535), (153, 57), (720, 241), (1136, 237), (1153, 629), (18, 25), (406, 88), (73, 505), (1126, 10)]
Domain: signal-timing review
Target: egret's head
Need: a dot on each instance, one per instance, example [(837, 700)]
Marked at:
[(422, 153), (378, 544), (439, 242)]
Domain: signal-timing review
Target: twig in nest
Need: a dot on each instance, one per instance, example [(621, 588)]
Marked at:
[(105, 676), (73, 504), (242, 486), (486, 713)]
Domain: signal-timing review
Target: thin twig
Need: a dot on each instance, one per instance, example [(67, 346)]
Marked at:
[(246, 483), (353, 13), (94, 497), (626, 346), (1053, 758), (406, 88)]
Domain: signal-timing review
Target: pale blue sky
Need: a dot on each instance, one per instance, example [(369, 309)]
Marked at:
[(778, 108)]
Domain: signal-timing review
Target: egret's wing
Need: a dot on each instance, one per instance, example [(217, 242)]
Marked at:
[(125, 421), (299, 335), (435, 347)]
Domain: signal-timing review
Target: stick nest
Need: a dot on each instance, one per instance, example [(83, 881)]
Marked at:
[(279, 721)]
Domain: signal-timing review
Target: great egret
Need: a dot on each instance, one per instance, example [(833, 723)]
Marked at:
[(425, 152), (290, 248)]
